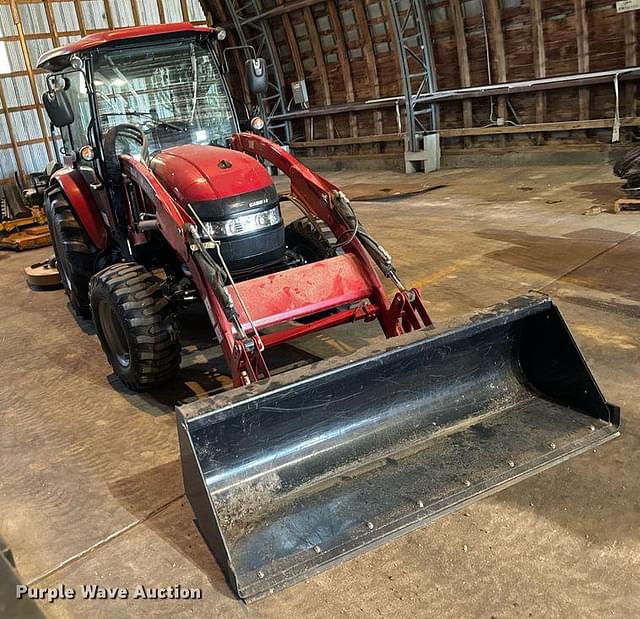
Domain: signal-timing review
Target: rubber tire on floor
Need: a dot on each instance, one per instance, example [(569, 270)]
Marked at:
[(75, 253), (129, 308), (303, 238)]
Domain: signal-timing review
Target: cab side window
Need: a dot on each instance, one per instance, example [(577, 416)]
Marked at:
[(75, 136)]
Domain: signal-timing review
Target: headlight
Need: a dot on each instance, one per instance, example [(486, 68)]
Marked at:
[(257, 123), (243, 224)]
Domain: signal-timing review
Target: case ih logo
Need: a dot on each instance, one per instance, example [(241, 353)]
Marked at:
[(258, 202)]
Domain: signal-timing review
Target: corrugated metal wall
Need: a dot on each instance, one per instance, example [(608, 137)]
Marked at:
[(30, 27)]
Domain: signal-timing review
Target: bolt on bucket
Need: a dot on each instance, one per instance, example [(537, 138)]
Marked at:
[(322, 463)]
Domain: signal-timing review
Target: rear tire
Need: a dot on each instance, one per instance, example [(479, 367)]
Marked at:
[(75, 253), (136, 325)]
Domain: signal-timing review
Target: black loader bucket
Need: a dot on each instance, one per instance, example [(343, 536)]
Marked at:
[(319, 464)]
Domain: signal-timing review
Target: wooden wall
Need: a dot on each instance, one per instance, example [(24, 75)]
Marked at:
[(346, 52)]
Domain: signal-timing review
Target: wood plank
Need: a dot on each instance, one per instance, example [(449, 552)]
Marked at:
[(582, 36), (630, 59), (570, 125), (44, 125), (496, 37), (455, 7), (323, 76), (367, 50), (345, 65), (363, 139), (539, 58), (296, 58)]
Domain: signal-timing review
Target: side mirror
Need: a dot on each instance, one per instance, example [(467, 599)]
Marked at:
[(257, 78), (58, 107)]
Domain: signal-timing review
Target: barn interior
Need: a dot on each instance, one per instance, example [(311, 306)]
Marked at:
[(479, 141)]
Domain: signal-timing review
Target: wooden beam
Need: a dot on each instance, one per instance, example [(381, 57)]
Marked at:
[(296, 58), (161, 13), (135, 12), (539, 59), (44, 129), (343, 57), (314, 39), (496, 37), (582, 37), (630, 59), (455, 7), (81, 24), (184, 7), (367, 49), (363, 139), (109, 15), (52, 23), (567, 125)]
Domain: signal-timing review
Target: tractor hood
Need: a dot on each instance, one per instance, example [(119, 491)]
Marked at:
[(210, 176)]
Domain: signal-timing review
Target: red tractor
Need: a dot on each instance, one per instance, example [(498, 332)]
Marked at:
[(157, 179), (161, 201)]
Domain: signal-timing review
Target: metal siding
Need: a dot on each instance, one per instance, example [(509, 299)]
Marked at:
[(17, 91), (148, 12), (25, 125), (33, 18), (95, 16), (122, 13), (64, 15), (34, 157), (172, 10), (7, 163), (5, 138), (195, 11), (7, 27)]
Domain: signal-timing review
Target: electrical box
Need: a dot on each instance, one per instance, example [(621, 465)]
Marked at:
[(300, 95)]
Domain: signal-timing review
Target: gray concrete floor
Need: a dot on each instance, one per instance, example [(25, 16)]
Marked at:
[(91, 486)]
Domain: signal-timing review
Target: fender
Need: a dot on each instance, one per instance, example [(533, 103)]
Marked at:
[(83, 204)]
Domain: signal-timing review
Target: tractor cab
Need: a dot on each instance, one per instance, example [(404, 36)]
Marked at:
[(158, 94), (166, 80)]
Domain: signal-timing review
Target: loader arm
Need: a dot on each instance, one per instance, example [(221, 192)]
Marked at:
[(316, 195), (238, 312)]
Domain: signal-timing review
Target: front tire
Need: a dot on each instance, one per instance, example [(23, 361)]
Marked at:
[(313, 243), (75, 253), (136, 325)]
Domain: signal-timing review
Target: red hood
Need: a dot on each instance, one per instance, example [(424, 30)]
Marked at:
[(195, 173)]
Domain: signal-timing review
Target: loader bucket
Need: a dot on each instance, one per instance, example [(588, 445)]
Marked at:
[(321, 463)]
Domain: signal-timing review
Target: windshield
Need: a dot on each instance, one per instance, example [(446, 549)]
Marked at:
[(173, 90)]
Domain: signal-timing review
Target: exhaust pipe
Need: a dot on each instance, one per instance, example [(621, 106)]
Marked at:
[(322, 463)]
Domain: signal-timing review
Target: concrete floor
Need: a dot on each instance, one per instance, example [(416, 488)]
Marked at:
[(91, 486)]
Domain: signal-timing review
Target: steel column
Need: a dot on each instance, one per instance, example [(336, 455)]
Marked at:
[(416, 65), (252, 29)]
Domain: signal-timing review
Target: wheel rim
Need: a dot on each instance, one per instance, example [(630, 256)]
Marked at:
[(114, 334)]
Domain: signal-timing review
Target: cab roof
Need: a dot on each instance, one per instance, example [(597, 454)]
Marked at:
[(58, 58)]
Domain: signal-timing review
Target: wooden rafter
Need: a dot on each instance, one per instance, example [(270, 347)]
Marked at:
[(31, 77), (80, 16), (457, 17), (345, 65), (323, 76), (367, 49), (539, 58), (296, 58), (497, 43), (630, 59), (582, 37), (135, 12)]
